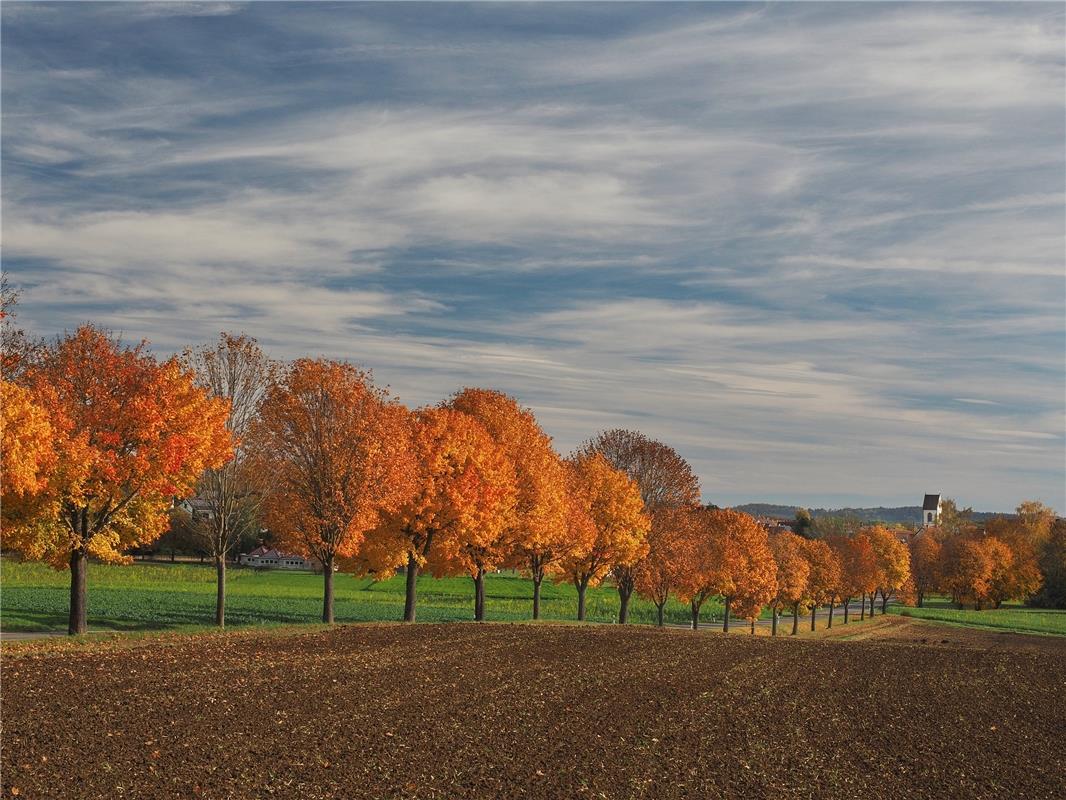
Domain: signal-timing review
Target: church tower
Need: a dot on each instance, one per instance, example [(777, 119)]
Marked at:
[(931, 511)]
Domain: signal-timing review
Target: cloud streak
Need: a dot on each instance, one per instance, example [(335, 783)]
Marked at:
[(819, 248)]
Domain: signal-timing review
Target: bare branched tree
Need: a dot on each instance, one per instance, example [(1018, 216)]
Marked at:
[(227, 502)]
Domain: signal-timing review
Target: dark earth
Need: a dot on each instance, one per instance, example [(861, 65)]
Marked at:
[(538, 711)]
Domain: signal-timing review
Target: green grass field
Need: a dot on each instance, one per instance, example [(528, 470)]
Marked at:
[(1010, 617), (34, 597)]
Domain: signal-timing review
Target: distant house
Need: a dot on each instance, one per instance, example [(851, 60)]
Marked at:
[(199, 508), (931, 510), (774, 524), (264, 557)]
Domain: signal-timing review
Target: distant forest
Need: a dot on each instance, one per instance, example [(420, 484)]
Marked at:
[(904, 514)]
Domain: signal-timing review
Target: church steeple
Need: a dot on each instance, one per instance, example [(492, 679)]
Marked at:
[(931, 511)]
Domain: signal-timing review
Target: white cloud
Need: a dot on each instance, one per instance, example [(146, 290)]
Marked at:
[(819, 250)]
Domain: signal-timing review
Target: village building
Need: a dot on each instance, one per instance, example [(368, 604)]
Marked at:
[(264, 557), (931, 507)]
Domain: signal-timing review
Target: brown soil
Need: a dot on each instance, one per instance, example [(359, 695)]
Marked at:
[(446, 711), (892, 628)]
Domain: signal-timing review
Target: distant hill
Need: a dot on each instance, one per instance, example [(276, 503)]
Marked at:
[(904, 514)]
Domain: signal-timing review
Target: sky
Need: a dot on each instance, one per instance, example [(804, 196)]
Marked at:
[(817, 248)]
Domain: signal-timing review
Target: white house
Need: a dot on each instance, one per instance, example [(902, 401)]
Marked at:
[(931, 510), (264, 557)]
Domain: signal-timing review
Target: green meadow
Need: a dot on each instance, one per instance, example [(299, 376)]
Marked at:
[(153, 596), (1011, 617)]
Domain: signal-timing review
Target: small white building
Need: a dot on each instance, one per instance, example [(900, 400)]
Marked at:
[(264, 557), (931, 510)]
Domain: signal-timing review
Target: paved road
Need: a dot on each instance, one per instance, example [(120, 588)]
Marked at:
[(784, 623)]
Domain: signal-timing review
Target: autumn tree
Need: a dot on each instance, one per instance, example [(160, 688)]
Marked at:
[(973, 566), (701, 564), (748, 572), (824, 579), (858, 570), (460, 513), (537, 539), (338, 452), (28, 448), (129, 433), (236, 370), (893, 563), (661, 571), (1025, 535), (664, 478), (612, 503), (926, 564), (792, 577)]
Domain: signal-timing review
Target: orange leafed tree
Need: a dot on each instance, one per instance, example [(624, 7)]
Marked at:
[(611, 502), (893, 563), (664, 478), (1025, 536), (859, 573), (338, 450), (972, 566), (130, 433), (927, 569), (540, 536), (702, 566), (748, 572), (28, 449), (661, 571), (460, 512), (823, 583), (793, 575)]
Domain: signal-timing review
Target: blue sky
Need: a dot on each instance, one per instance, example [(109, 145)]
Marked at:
[(817, 248)]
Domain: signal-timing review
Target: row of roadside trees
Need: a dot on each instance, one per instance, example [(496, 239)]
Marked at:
[(1003, 558), (100, 437)]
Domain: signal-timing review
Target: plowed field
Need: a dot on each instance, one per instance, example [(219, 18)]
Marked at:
[(464, 710)]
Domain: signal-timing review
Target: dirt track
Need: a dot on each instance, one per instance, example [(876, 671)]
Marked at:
[(534, 711)]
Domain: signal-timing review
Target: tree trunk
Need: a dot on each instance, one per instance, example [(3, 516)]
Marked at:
[(659, 608), (695, 615), (220, 594), (921, 598), (773, 622), (884, 602), (862, 608), (814, 610), (830, 624), (753, 626), (795, 618), (411, 592), (873, 598), (537, 580), (479, 595), (624, 593), (78, 622), (581, 585), (327, 591), (847, 602), (725, 614)]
